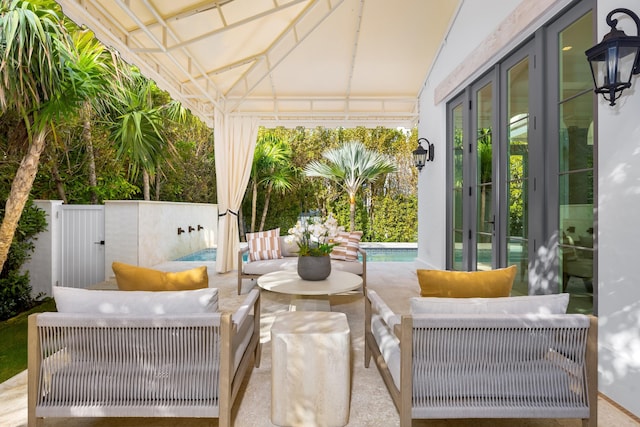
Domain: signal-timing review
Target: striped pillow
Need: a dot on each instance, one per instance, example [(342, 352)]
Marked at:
[(264, 245), (348, 245)]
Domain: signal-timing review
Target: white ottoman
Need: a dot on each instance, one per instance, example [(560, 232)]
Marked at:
[(310, 369)]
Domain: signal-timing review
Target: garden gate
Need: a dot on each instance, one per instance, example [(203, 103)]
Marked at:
[(82, 243)]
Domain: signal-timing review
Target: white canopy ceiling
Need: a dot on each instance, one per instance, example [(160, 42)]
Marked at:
[(288, 62)]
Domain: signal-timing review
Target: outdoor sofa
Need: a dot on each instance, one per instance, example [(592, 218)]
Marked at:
[(156, 354), (253, 269), (440, 366)]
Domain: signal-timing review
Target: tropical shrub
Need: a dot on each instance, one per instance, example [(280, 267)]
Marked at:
[(395, 219), (15, 289)]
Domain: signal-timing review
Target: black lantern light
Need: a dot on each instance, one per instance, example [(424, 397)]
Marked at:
[(615, 59), (422, 155)]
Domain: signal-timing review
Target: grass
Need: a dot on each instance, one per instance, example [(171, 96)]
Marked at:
[(13, 336)]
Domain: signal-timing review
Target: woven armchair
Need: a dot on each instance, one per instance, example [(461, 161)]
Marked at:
[(103, 365), (438, 366)]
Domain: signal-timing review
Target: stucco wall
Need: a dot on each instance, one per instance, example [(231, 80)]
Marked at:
[(619, 233), (146, 233)]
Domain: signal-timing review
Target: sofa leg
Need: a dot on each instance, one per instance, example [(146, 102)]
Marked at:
[(258, 355), (367, 355)]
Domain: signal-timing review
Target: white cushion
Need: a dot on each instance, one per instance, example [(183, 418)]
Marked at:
[(268, 266), (291, 263), (72, 300), (530, 304), (348, 266), (388, 344)]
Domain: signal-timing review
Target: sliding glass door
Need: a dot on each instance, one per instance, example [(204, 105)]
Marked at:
[(521, 165), (456, 258), (516, 122), (485, 153)]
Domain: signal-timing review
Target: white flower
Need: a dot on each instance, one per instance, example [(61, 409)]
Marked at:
[(315, 234)]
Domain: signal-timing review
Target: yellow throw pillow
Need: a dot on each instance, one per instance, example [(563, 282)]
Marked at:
[(467, 284), (134, 278)]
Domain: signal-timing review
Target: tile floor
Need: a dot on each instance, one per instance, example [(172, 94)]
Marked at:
[(370, 405)]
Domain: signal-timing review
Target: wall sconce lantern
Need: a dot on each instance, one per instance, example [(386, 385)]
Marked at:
[(615, 59), (422, 155)]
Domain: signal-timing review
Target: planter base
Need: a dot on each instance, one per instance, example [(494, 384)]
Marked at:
[(314, 268)]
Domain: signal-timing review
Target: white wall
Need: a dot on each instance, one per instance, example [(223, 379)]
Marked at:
[(146, 233), (44, 265), (619, 232), (618, 187)]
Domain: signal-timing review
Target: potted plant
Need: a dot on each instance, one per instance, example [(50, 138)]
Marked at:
[(315, 240)]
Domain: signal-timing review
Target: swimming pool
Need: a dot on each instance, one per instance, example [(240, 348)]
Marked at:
[(384, 254)]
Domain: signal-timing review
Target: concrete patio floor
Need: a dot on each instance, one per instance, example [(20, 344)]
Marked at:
[(371, 405)]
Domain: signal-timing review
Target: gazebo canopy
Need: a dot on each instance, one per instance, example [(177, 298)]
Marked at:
[(286, 62)]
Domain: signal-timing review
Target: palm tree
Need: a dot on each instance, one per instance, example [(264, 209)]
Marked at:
[(271, 167), (278, 177), (41, 81), (102, 68), (139, 127), (350, 166)]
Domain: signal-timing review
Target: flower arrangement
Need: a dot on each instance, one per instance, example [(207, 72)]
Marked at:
[(314, 236)]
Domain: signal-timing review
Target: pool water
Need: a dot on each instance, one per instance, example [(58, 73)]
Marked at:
[(208, 254), (373, 255)]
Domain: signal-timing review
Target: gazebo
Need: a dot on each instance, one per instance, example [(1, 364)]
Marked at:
[(239, 65)]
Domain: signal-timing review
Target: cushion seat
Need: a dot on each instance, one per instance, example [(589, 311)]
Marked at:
[(270, 265), (348, 266), (289, 261)]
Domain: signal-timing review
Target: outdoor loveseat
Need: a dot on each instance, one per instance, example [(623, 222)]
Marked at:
[(140, 354), (437, 366), (253, 269)]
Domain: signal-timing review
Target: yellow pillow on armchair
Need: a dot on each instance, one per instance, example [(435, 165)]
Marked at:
[(467, 284), (134, 278)]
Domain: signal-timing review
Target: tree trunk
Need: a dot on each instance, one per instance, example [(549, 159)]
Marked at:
[(88, 141), (241, 225), (146, 191), (266, 206), (254, 203), (19, 194), (352, 212), (158, 183), (59, 184)]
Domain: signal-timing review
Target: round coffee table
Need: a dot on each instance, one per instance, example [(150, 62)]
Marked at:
[(309, 295)]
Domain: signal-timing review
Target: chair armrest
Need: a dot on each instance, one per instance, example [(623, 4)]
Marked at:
[(364, 269), (364, 255), (249, 303), (380, 307), (241, 252)]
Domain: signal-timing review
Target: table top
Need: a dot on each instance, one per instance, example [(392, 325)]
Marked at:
[(288, 282)]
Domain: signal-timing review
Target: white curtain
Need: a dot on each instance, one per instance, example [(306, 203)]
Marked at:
[(235, 142)]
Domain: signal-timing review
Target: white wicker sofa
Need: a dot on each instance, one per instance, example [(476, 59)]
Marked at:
[(254, 269), (158, 363), (439, 366)]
